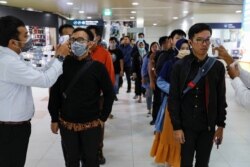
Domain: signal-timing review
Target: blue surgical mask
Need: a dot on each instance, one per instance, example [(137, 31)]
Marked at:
[(141, 51), (78, 49), (140, 39), (27, 46)]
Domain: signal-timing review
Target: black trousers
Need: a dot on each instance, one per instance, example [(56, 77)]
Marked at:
[(138, 87), (156, 102), (127, 71), (200, 143), (14, 140), (64, 153), (81, 144)]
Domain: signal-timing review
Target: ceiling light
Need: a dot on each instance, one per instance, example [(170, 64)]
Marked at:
[(89, 17), (238, 11), (133, 12), (155, 24), (135, 3), (132, 17), (70, 3), (175, 18), (81, 11), (3, 2), (29, 9), (185, 11)]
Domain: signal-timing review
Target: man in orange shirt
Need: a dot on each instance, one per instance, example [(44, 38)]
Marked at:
[(102, 55)]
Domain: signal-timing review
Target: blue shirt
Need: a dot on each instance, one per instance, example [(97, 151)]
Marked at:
[(126, 50)]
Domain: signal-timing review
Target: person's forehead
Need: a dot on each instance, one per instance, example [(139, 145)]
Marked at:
[(68, 30), (178, 36), (184, 45), (203, 34), (80, 34)]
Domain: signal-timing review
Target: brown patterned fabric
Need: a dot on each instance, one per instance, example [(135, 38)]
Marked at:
[(76, 127)]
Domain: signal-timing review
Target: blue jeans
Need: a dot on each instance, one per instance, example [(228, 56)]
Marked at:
[(149, 98)]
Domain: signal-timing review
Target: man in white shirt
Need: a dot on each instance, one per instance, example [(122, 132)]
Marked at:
[(240, 78), (16, 80)]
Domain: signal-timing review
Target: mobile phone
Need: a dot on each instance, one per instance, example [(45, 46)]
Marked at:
[(63, 39)]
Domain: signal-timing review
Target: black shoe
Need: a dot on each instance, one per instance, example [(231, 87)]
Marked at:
[(116, 99), (128, 91), (152, 122), (101, 158)]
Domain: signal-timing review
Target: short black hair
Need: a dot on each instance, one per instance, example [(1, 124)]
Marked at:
[(64, 26), (126, 36), (177, 32), (8, 29), (198, 27), (162, 40), (113, 39), (90, 34), (97, 29), (141, 33)]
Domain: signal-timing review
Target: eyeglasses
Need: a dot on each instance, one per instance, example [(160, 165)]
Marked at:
[(80, 40), (202, 40)]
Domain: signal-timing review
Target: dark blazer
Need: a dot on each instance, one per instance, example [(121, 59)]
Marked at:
[(216, 114)]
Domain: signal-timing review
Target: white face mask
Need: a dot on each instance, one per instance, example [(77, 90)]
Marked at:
[(183, 53)]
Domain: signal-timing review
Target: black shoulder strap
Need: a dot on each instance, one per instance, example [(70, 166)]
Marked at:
[(76, 78), (201, 73)]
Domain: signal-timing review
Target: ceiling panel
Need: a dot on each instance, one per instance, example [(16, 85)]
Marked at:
[(159, 11)]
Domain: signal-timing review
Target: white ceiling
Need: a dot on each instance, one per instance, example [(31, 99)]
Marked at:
[(153, 11)]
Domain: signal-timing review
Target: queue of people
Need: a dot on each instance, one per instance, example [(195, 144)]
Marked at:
[(184, 88)]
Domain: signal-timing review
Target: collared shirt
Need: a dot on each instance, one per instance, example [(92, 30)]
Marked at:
[(16, 80)]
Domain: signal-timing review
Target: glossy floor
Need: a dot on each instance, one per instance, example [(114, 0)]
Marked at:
[(128, 137)]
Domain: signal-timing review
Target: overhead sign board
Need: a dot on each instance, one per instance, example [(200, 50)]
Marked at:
[(225, 25)]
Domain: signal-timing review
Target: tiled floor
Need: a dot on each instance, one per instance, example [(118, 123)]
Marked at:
[(129, 136)]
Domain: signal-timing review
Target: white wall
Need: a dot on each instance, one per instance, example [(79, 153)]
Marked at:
[(154, 33)]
